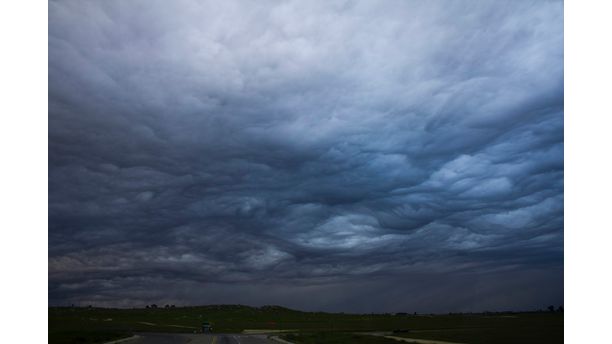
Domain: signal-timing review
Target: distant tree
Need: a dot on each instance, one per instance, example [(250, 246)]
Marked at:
[(147, 307), (153, 306), (560, 309), (167, 306), (172, 306), (551, 308)]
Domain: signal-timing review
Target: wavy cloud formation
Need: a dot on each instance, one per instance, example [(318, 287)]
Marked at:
[(343, 155)]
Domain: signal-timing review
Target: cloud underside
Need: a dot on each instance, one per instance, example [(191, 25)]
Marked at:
[(306, 153)]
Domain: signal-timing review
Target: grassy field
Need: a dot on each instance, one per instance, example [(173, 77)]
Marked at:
[(526, 328), (336, 337), (85, 336), (95, 325)]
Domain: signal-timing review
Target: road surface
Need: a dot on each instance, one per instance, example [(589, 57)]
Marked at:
[(183, 338)]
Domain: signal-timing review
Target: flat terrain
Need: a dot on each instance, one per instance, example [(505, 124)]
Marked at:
[(176, 325), (180, 338)]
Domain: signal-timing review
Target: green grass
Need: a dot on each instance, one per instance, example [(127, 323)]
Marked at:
[(85, 336), (335, 338), (537, 328), (92, 325)]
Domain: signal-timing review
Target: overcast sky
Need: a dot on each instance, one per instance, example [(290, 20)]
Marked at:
[(364, 156)]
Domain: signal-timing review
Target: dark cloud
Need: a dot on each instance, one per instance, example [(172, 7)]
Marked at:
[(306, 153)]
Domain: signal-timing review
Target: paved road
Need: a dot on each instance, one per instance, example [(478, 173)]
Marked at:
[(181, 338)]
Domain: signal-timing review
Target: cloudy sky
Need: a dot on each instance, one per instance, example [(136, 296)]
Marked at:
[(365, 156)]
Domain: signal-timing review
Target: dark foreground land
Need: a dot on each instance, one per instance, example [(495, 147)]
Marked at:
[(186, 338), (177, 325)]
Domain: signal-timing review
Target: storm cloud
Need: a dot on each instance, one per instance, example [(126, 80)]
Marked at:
[(333, 155)]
